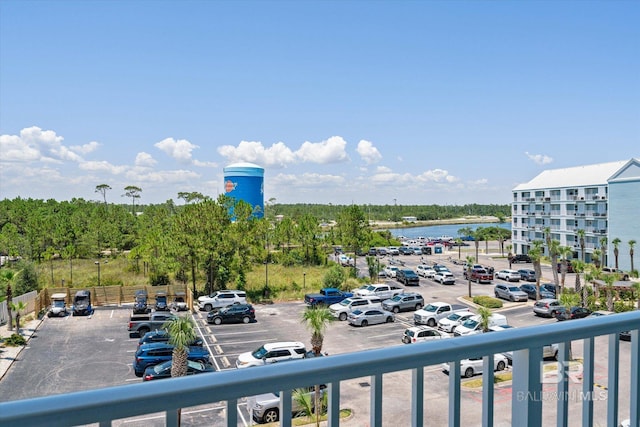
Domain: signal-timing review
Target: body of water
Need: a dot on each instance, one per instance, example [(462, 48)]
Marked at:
[(441, 230)]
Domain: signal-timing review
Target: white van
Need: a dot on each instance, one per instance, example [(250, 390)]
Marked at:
[(342, 309), (472, 325)]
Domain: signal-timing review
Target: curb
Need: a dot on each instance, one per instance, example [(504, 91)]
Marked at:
[(8, 355)]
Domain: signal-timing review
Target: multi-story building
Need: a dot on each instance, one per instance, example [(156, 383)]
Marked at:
[(600, 202)]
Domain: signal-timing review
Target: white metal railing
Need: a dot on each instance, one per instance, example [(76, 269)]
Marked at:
[(104, 405)]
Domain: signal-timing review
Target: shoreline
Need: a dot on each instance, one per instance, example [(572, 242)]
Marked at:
[(384, 225)]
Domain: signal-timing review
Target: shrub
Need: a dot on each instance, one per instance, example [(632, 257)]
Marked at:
[(15, 340), (487, 301)]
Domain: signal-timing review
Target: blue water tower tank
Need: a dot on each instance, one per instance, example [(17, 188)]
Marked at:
[(245, 181)]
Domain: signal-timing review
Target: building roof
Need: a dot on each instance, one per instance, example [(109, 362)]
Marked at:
[(579, 176)]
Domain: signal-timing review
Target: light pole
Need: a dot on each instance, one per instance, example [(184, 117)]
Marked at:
[(98, 264), (304, 280)]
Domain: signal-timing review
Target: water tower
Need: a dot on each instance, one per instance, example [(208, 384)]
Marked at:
[(245, 181)]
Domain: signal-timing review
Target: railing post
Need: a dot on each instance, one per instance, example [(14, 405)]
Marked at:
[(587, 381), (562, 411), (635, 377), (333, 400), (612, 380), (487, 390), (417, 397), (376, 401), (232, 412), (526, 400), (285, 408), (454, 394)]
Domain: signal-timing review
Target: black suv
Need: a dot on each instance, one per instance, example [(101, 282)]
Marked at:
[(407, 277), (521, 258), (235, 313)]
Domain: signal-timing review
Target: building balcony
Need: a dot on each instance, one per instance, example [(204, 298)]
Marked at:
[(570, 395)]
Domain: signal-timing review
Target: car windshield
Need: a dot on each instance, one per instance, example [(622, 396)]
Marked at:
[(370, 288), (260, 353), (453, 316), (431, 308), (409, 333), (345, 302), (514, 289), (58, 303), (356, 312), (470, 324)]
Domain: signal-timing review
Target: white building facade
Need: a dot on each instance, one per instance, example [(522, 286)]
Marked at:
[(602, 201)]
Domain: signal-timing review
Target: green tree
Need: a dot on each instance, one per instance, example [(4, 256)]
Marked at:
[(632, 243), (565, 252), (616, 243), (317, 319), (636, 291), (485, 317), (181, 331), (580, 233), (609, 280), (470, 261), (354, 230), (535, 253), (134, 193), (603, 250), (18, 308), (102, 189), (334, 277)]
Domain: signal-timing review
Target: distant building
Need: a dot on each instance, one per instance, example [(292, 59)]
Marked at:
[(602, 199)]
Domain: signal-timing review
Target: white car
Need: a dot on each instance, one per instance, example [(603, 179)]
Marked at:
[(271, 353), (445, 278), (422, 333), (449, 323), (508, 275), (391, 271), (471, 367), (425, 271)]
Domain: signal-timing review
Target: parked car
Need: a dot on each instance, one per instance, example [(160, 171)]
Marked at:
[(520, 258), (572, 313), (265, 408), (82, 304), (221, 299), (179, 302), (445, 278), (161, 335), (407, 277), (271, 353), (508, 275), (392, 250), (569, 267), (158, 352), (422, 333), (549, 287), (527, 274), (391, 271), (371, 316), (423, 269), (140, 305), (405, 301), (235, 313), (546, 307), (510, 292), (58, 305), (416, 250), (438, 268), (449, 323), (163, 370), (404, 250), (161, 302), (473, 366), (530, 290), (342, 309), (599, 313)]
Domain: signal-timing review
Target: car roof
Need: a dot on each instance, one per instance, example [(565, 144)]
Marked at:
[(282, 344)]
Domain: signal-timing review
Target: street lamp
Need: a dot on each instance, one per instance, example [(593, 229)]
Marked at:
[(304, 279), (98, 264)]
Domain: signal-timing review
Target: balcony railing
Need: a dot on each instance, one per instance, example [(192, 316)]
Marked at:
[(105, 405)]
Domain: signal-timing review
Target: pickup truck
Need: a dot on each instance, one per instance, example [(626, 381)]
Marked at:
[(381, 291), (478, 275), (435, 311), (140, 324), (326, 296)]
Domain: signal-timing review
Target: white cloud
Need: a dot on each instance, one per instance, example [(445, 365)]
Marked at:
[(14, 149), (179, 150), (102, 166), (161, 177), (368, 152), (34, 144), (331, 150), (306, 180), (437, 175), (278, 155), (145, 159), (541, 159), (86, 148)]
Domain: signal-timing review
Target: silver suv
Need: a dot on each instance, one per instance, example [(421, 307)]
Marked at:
[(510, 292), (547, 307), (271, 353), (405, 301), (221, 299)]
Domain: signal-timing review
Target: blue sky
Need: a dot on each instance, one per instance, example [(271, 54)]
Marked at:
[(366, 102)]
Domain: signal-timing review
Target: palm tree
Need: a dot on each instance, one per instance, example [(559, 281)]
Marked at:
[(182, 331), (632, 243), (554, 251), (565, 252), (590, 274), (470, 261), (616, 242), (595, 257), (581, 233), (317, 319), (485, 315), (578, 268), (603, 249), (535, 253), (18, 307), (609, 279), (459, 243), (569, 299)]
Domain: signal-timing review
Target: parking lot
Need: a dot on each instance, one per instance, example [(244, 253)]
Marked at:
[(79, 353)]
